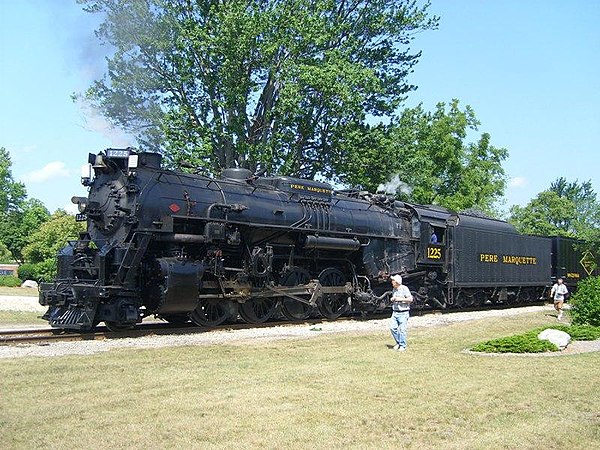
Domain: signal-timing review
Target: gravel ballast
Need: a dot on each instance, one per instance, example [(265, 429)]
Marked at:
[(245, 336)]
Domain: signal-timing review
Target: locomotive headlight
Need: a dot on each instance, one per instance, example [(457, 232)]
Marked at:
[(132, 161), (86, 174), (81, 203)]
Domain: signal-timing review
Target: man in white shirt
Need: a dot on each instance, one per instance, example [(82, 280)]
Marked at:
[(558, 292), (401, 300)]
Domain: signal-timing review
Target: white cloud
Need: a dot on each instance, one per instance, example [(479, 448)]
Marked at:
[(518, 182), (55, 169)]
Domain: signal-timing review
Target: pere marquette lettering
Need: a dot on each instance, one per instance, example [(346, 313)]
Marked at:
[(302, 187), (507, 259)]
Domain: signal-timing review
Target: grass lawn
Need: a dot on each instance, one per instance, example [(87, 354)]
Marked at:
[(8, 318), (330, 391)]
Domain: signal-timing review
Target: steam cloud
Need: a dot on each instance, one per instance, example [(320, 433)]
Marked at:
[(395, 186), (97, 123)]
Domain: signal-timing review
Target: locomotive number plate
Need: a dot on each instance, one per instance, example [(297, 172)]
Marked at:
[(434, 252), (113, 153)]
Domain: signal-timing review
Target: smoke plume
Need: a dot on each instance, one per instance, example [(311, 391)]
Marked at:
[(395, 186)]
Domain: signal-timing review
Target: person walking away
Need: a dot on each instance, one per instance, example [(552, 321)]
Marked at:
[(401, 300), (558, 292)]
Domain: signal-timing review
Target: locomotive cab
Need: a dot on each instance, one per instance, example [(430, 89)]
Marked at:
[(430, 232)]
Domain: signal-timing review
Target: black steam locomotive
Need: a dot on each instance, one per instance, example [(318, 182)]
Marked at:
[(188, 247)]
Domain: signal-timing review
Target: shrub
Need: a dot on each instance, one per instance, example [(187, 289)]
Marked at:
[(45, 270), (27, 271), (521, 343), (9, 281), (529, 342), (585, 303)]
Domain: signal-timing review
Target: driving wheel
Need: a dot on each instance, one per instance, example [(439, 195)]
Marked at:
[(293, 309), (332, 306), (212, 312), (257, 310)]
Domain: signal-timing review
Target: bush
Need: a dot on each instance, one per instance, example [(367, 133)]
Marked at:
[(9, 281), (521, 343), (585, 303), (529, 342), (27, 271), (45, 270)]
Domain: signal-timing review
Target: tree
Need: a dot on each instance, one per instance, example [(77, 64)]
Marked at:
[(18, 216), (428, 153), (12, 193), (259, 84), (44, 244), (583, 197), (5, 255), (565, 209), (18, 224), (546, 215)]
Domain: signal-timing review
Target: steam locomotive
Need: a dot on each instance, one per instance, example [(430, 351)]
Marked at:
[(187, 247)]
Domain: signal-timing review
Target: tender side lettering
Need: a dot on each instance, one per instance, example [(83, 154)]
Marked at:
[(519, 260), (507, 259), (573, 275), (488, 257)]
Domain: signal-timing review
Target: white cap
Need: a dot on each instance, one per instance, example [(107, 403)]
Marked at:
[(397, 279)]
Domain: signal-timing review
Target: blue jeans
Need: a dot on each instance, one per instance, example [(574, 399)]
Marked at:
[(398, 326)]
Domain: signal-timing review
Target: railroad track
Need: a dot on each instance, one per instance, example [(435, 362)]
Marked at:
[(45, 336)]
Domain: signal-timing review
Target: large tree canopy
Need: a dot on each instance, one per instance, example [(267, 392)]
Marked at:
[(267, 85), (565, 209), (428, 158)]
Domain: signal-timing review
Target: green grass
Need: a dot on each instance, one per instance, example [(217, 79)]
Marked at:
[(330, 391), (20, 317), (18, 291)]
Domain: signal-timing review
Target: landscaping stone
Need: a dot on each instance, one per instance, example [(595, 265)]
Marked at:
[(557, 337)]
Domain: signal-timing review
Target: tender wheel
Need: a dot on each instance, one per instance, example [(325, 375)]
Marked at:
[(332, 306), (257, 310), (470, 300), (459, 300), (212, 312), (290, 308), (525, 296), (481, 298), (117, 327)]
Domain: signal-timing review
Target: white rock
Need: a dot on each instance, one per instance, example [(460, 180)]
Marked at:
[(30, 284), (557, 337)]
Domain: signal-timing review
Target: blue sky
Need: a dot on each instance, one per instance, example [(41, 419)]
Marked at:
[(530, 70)]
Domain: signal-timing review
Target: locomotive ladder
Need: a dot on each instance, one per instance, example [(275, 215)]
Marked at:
[(132, 258)]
